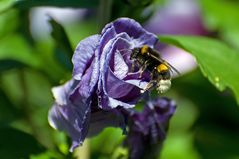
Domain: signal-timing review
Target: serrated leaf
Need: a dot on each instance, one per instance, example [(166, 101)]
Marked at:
[(217, 61)]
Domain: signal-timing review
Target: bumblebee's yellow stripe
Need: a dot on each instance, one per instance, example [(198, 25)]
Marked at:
[(162, 67), (144, 49)]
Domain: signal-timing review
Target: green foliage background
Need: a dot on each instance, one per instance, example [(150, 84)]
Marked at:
[(206, 123)]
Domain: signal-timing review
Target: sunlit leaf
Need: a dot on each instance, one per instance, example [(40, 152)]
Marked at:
[(217, 61), (16, 48), (5, 4), (79, 31), (47, 155), (109, 139), (178, 145)]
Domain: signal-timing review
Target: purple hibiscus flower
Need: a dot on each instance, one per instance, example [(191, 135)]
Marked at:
[(102, 82), (147, 129)]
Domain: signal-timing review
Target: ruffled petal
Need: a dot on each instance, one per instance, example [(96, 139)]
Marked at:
[(111, 88), (62, 93), (138, 34), (71, 112), (69, 119), (83, 55)]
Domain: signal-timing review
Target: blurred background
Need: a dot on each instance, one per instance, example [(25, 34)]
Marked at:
[(37, 40)]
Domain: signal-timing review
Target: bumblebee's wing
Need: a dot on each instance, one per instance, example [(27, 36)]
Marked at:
[(171, 67), (154, 52), (165, 62)]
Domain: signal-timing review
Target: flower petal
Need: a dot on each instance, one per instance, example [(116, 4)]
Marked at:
[(62, 93), (148, 128), (83, 55), (67, 118), (138, 34), (110, 87)]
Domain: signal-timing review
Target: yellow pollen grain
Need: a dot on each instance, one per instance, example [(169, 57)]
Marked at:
[(162, 67), (144, 49)]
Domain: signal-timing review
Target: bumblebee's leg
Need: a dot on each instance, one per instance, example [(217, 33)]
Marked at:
[(132, 67), (153, 82), (149, 86), (143, 68), (134, 63)]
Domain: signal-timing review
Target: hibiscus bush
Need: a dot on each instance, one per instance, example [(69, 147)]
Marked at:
[(71, 89)]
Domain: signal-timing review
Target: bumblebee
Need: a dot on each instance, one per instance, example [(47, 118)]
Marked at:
[(147, 58)]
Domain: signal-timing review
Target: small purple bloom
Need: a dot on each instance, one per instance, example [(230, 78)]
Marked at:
[(102, 81), (148, 128)]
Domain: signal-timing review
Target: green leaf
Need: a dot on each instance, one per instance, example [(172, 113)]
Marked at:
[(63, 49), (111, 138), (217, 61), (17, 144), (211, 138), (5, 4), (16, 48), (8, 22), (30, 92), (22, 4), (48, 155), (222, 16), (8, 111)]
